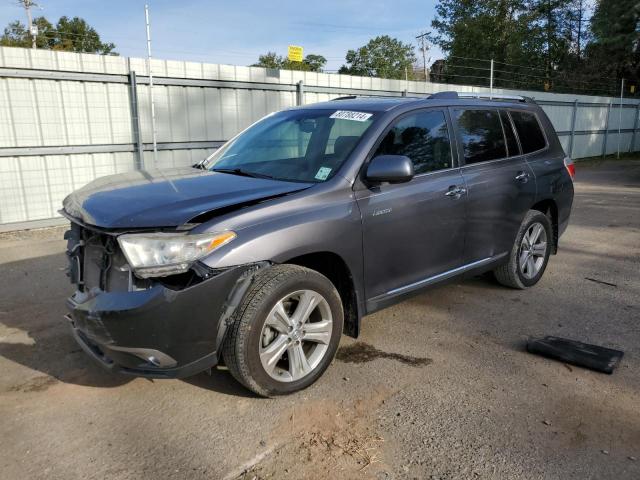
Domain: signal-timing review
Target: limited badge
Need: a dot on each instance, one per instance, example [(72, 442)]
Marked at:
[(349, 115), (323, 173)]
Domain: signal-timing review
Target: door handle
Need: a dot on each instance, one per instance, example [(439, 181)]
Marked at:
[(522, 177), (456, 192)]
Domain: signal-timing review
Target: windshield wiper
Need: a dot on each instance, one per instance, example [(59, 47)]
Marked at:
[(239, 171)]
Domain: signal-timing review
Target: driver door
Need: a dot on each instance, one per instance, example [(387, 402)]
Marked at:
[(413, 232)]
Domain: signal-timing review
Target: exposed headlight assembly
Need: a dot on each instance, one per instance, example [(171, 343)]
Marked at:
[(163, 254)]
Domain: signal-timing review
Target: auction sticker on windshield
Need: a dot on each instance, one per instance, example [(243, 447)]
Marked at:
[(323, 173), (348, 115)]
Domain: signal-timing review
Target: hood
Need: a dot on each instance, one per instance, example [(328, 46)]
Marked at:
[(167, 198)]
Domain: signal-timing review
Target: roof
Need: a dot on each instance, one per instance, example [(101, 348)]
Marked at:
[(370, 104), (384, 104)]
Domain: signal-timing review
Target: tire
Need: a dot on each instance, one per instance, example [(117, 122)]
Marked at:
[(259, 328), (513, 274)]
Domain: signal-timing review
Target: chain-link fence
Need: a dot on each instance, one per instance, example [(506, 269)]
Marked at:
[(487, 72)]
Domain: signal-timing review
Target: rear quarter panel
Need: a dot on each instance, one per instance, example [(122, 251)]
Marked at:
[(552, 178)]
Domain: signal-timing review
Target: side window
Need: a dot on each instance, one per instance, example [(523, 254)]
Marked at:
[(481, 133), (423, 137), (512, 143), (529, 131)]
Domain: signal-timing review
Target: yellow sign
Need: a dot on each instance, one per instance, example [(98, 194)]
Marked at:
[(295, 53), (633, 89)]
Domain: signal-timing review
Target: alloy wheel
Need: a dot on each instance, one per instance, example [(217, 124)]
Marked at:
[(295, 336), (533, 250)]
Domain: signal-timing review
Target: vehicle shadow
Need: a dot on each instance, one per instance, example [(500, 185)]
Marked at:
[(220, 381), (34, 334)]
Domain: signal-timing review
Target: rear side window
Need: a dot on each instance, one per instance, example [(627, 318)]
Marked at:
[(481, 134), (512, 143), (529, 131), (423, 137)]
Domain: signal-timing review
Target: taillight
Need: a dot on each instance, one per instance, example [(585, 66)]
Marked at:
[(571, 168)]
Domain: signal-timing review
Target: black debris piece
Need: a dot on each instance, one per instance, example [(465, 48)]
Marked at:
[(577, 353)]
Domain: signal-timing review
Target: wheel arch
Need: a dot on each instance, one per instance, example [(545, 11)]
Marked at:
[(333, 266), (549, 207)]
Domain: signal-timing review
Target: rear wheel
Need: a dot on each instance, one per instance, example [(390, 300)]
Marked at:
[(286, 331), (530, 253)]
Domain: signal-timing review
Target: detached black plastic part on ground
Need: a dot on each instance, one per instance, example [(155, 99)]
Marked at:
[(577, 353)]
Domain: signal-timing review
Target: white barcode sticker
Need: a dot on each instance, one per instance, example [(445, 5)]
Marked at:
[(349, 115)]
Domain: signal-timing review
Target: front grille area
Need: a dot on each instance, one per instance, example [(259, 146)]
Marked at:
[(96, 262)]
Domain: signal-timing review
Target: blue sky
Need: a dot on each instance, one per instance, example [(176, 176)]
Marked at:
[(237, 31)]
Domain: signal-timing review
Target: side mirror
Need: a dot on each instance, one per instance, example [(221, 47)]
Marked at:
[(390, 168)]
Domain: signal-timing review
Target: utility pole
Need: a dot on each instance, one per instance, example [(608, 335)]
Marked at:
[(152, 104), (422, 37), (33, 29)]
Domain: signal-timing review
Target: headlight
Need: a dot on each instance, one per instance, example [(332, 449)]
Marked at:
[(162, 254)]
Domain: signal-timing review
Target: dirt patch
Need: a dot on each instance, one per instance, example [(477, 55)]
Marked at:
[(317, 454), (37, 384), (361, 352), (326, 440)]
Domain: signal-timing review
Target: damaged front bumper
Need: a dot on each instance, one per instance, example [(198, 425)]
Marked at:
[(159, 332), (151, 328)]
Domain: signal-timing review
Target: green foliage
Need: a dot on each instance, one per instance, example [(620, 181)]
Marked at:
[(383, 57), (616, 38), (536, 44), (71, 35), (310, 63)]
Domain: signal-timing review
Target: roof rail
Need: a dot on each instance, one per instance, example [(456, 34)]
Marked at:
[(347, 97), (492, 96), (489, 96)]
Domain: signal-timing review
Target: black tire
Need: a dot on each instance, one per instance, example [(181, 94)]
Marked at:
[(511, 273), (242, 342)]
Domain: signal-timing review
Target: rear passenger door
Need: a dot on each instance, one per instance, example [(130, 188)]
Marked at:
[(500, 184)]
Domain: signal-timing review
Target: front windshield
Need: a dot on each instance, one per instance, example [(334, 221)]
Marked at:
[(295, 145)]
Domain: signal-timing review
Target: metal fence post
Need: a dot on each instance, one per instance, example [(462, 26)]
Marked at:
[(491, 80), (135, 120), (300, 93), (573, 127), (632, 145), (620, 119), (606, 132)]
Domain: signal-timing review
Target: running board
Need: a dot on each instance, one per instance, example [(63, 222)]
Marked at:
[(436, 278)]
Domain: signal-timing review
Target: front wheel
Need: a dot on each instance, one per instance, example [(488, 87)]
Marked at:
[(530, 252), (286, 331)]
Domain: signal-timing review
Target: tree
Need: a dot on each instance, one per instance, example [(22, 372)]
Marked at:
[(536, 44), (315, 62), (615, 47), (15, 35), (72, 35), (310, 63), (383, 57), (468, 30)]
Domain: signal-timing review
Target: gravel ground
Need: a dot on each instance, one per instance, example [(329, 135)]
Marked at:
[(436, 387)]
